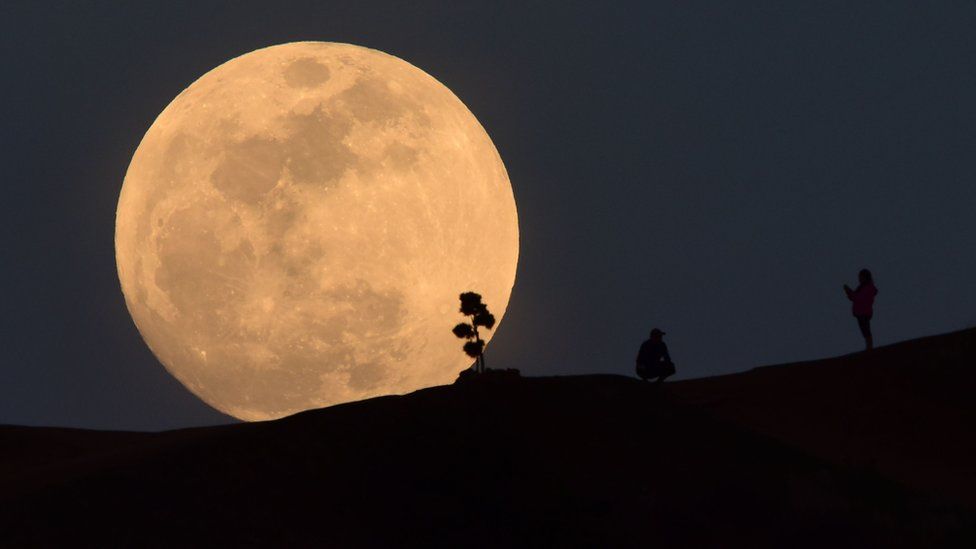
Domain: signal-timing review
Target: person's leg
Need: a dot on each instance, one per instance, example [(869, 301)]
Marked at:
[(666, 371), (864, 323), (641, 372)]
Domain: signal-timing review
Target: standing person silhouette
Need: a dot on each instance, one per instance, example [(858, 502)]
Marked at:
[(862, 306), (653, 359)]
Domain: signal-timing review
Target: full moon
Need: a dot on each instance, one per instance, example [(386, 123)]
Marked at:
[(296, 226)]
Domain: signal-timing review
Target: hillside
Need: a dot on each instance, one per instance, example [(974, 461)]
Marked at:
[(906, 410), (858, 451)]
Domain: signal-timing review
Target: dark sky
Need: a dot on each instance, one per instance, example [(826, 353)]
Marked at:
[(718, 169)]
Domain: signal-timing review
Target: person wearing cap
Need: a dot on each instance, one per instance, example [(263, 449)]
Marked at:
[(653, 359)]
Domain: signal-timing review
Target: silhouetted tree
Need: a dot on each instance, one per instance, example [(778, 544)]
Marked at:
[(472, 306)]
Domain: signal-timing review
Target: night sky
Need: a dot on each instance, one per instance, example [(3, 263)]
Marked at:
[(716, 169)]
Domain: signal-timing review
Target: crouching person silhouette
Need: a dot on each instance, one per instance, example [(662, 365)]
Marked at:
[(653, 359)]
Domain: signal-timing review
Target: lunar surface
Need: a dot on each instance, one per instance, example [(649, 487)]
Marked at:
[(295, 227)]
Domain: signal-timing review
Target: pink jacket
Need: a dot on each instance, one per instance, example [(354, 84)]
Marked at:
[(863, 298)]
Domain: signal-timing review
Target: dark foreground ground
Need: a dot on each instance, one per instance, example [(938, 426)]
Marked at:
[(867, 450)]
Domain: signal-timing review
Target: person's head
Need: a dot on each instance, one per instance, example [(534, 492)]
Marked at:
[(656, 335), (864, 277)]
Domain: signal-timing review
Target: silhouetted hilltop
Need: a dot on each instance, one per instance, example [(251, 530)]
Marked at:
[(856, 451), (907, 411)]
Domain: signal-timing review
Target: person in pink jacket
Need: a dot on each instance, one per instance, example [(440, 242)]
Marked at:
[(862, 306)]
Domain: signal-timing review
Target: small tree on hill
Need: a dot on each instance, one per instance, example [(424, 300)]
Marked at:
[(472, 306)]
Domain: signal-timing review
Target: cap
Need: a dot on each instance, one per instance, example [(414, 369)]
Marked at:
[(656, 331)]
